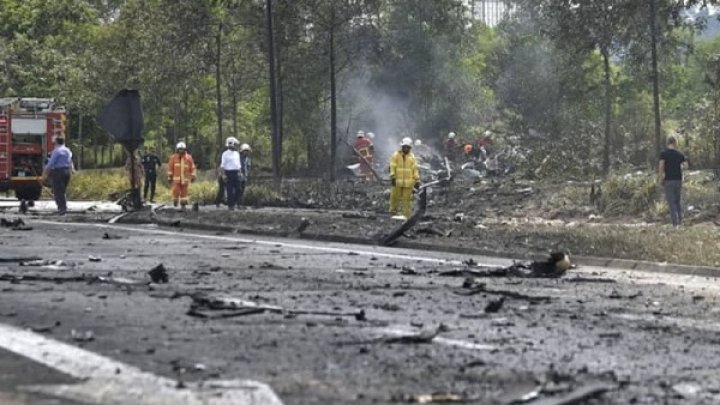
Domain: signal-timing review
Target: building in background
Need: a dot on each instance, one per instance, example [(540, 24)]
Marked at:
[(491, 12)]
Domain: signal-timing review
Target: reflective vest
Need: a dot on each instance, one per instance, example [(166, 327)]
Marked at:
[(181, 168), (364, 147), (403, 169)]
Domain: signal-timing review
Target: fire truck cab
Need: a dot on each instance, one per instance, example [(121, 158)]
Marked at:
[(27, 130)]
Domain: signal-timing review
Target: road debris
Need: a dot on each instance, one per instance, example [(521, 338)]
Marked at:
[(51, 264), (435, 398), (45, 328), (407, 225), (229, 307), (554, 267), (109, 236), (494, 305), (304, 223), (11, 224), (687, 390), (471, 287), (158, 274), (82, 336), (577, 396), (94, 259), (18, 259)]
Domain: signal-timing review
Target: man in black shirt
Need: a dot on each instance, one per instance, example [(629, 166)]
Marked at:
[(672, 163), (150, 163)]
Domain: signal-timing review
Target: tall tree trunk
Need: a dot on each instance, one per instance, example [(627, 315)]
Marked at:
[(218, 86), (235, 107), (608, 111), (80, 138), (273, 93), (655, 75), (280, 108), (333, 98)]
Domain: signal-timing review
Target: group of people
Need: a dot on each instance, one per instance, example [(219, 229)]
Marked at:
[(477, 151), (235, 165), (233, 173)]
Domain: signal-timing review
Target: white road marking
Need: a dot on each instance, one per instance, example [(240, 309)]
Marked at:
[(343, 251), (107, 381)]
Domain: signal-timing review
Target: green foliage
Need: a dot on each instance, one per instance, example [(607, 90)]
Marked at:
[(631, 194)]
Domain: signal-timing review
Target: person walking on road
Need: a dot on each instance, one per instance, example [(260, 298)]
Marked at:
[(151, 163), (230, 164), (672, 163), (404, 177), (245, 167), (181, 172), (58, 171)]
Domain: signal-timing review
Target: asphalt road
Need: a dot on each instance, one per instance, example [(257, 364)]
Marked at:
[(644, 338)]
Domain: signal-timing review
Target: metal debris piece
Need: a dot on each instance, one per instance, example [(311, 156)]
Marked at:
[(577, 396), (82, 336), (358, 215), (687, 390), (407, 225), (109, 236), (159, 274), (494, 305), (94, 259), (45, 263), (230, 307), (45, 328), (18, 259), (304, 223), (11, 224), (439, 398), (470, 288)]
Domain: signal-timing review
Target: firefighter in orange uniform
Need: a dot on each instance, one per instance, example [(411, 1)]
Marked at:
[(364, 148), (181, 172)]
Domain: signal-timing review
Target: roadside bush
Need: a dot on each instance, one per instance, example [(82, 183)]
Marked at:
[(631, 194), (97, 185), (261, 194)]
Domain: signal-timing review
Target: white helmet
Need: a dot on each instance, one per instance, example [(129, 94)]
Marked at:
[(451, 135), (181, 145), (487, 133), (245, 147), (371, 135), (231, 141), (360, 134), (418, 142), (406, 142)]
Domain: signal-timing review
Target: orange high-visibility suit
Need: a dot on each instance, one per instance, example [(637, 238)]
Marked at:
[(404, 174), (364, 148), (181, 171)]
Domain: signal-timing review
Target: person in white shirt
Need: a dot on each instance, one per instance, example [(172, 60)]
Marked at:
[(230, 164)]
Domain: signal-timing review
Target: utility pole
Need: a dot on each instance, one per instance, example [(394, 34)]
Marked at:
[(273, 94), (333, 97), (655, 75)]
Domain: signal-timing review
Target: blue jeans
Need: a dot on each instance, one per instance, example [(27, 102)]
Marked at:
[(232, 186), (673, 194)]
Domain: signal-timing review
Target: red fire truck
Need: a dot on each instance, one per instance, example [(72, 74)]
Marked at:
[(27, 129)]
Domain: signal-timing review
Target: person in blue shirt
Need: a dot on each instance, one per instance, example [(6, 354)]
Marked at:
[(58, 170)]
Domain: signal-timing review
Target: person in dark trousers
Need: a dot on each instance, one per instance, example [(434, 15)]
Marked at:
[(151, 163), (245, 168), (58, 170), (672, 163), (221, 197), (230, 163)]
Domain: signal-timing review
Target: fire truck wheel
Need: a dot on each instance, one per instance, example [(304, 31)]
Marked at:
[(30, 193)]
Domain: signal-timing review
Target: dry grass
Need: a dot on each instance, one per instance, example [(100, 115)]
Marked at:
[(693, 245)]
